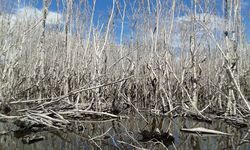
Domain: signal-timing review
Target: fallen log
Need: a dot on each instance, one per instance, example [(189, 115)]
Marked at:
[(204, 131)]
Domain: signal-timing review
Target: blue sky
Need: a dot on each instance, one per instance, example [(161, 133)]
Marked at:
[(103, 6)]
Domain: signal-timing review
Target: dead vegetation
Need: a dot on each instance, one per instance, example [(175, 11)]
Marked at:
[(51, 74)]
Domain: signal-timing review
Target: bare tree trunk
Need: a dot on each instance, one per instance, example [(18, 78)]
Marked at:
[(167, 57), (220, 83), (232, 46), (121, 35), (41, 47), (67, 45), (194, 62)]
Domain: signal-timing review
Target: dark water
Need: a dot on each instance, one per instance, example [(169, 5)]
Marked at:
[(124, 134)]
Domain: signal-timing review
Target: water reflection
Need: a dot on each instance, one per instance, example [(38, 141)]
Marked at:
[(126, 134)]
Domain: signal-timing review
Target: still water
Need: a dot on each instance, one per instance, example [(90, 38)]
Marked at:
[(125, 134)]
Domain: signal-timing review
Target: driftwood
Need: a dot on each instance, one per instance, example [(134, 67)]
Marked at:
[(204, 131), (55, 112)]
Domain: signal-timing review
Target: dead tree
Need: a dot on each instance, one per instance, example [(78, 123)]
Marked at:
[(194, 62), (232, 56), (41, 47)]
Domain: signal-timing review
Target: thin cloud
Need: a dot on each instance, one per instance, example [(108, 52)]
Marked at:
[(31, 13), (27, 14), (183, 23), (212, 21)]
